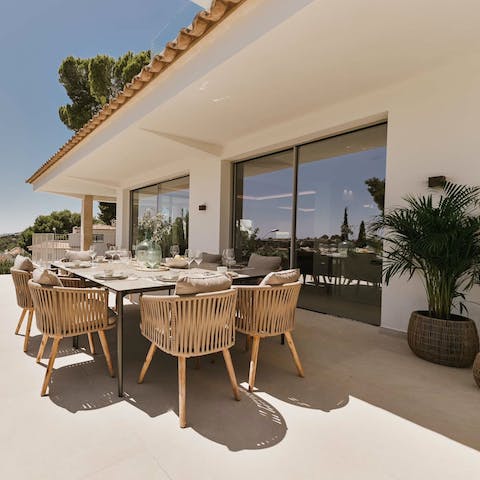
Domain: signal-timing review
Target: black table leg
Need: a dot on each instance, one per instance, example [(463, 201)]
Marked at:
[(120, 343), (75, 342), (282, 339)]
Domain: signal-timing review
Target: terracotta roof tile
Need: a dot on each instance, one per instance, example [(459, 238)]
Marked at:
[(203, 23)]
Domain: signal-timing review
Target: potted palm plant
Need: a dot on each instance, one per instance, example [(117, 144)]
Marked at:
[(440, 241)]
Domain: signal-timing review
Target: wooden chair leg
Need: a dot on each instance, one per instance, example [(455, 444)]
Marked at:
[(22, 316), (231, 372), (248, 342), (43, 344), (106, 351), (27, 332), (253, 363), (90, 343), (147, 362), (182, 391), (293, 350), (48, 373)]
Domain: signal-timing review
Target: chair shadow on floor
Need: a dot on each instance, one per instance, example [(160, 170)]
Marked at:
[(252, 423), (342, 360)]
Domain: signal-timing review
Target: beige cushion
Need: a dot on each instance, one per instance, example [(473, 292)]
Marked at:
[(80, 255), (112, 317), (46, 278), (192, 284), (23, 263), (264, 263), (211, 258), (282, 277), (177, 262)]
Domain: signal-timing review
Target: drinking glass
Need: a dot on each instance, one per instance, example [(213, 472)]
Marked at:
[(124, 255), (174, 250), (92, 253), (228, 256), (198, 257), (190, 254)]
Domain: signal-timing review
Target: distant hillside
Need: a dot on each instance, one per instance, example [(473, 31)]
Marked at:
[(8, 241)]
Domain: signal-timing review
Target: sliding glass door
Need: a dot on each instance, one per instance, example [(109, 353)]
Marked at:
[(171, 199), (340, 185), (263, 206), (338, 255)]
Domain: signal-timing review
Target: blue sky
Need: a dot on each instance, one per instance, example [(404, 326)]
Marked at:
[(325, 188), (35, 37)]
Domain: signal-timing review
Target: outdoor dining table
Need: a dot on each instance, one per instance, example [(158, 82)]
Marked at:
[(139, 280)]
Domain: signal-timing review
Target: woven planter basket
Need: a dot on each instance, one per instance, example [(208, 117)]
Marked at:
[(453, 343), (476, 369)]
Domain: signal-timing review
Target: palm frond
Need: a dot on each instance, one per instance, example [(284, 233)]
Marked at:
[(440, 239)]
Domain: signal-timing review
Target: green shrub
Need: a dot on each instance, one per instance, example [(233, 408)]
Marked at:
[(5, 266)]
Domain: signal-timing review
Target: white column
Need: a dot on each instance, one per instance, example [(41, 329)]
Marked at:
[(209, 185), (86, 227), (122, 233)]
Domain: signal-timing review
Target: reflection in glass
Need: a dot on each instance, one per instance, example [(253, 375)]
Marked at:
[(338, 256), (171, 199), (263, 206)]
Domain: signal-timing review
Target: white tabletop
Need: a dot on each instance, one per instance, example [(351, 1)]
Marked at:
[(138, 279)]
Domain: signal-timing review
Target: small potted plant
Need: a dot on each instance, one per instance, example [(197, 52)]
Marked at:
[(438, 239)]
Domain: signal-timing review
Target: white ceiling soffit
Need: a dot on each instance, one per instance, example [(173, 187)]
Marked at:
[(203, 3)]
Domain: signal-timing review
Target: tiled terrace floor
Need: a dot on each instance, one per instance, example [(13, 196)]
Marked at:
[(367, 409)]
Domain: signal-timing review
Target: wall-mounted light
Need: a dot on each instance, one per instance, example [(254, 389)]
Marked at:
[(435, 182)]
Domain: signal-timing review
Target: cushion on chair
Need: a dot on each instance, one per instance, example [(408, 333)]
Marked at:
[(23, 263), (211, 258), (192, 284), (46, 278), (112, 317), (176, 262), (264, 263), (282, 277), (80, 255)]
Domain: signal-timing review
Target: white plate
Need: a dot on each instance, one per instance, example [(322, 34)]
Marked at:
[(157, 269), (115, 276), (167, 278), (74, 265)]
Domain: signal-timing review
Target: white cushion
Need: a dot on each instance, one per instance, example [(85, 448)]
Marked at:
[(263, 262), (80, 255), (282, 277), (46, 278), (23, 263), (192, 284), (177, 262)]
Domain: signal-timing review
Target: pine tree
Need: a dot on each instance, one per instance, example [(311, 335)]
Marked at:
[(108, 212), (362, 236), (90, 83), (345, 230)]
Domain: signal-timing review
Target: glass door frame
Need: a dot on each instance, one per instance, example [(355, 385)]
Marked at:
[(295, 163), (131, 193)]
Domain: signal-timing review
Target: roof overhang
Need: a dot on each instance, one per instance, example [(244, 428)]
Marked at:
[(267, 64)]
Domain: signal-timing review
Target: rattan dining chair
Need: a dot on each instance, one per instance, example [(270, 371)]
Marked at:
[(189, 326), (267, 311), (25, 302), (67, 312)]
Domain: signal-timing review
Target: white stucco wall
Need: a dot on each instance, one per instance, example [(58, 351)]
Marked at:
[(432, 130), (206, 187)]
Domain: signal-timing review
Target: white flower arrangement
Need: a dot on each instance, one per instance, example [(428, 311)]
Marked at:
[(154, 227)]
